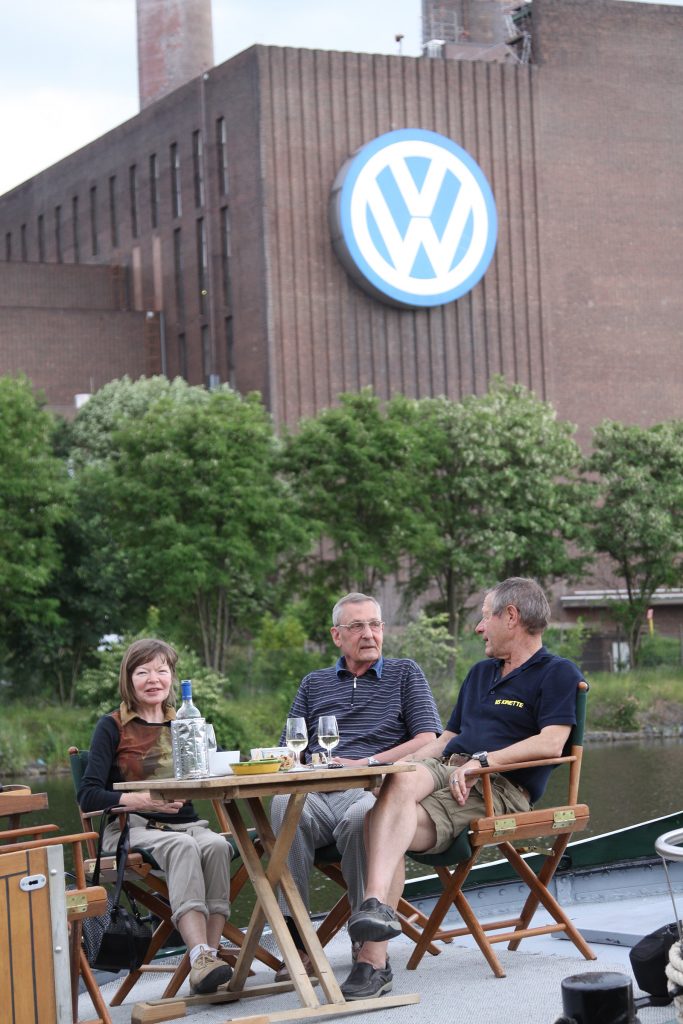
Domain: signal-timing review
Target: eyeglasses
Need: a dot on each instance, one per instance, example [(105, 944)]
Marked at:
[(357, 627)]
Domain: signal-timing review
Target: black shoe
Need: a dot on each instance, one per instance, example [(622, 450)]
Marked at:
[(366, 981), (374, 922)]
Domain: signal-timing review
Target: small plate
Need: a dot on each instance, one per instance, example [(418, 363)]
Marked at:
[(257, 767)]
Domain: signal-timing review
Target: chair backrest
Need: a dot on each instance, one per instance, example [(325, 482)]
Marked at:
[(78, 762)]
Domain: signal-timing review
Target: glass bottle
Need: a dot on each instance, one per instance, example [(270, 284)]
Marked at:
[(189, 738)]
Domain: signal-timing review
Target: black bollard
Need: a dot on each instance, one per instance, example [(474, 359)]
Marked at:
[(599, 997)]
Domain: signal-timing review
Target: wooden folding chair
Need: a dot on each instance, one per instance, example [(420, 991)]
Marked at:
[(144, 881), (501, 832), (82, 901)]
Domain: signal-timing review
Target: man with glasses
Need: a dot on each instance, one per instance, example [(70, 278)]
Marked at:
[(385, 711)]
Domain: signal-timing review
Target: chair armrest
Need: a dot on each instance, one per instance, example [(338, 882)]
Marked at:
[(35, 830), (514, 766)]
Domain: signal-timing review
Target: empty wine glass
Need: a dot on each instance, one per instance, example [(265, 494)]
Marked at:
[(328, 734), (296, 735)]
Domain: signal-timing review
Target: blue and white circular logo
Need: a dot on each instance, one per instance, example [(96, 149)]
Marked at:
[(413, 219)]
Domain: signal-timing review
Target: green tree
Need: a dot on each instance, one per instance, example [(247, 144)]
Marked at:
[(33, 489), (92, 433), (345, 468), (190, 497), (496, 492), (638, 516)]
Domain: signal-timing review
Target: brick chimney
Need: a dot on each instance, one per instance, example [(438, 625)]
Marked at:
[(175, 44)]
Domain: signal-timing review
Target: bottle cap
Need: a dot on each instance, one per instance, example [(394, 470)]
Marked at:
[(186, 689)]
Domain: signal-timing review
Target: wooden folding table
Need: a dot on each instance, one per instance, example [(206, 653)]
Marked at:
[(266, 876)]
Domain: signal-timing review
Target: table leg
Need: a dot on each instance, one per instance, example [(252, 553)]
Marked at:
[(264, 882), (278, 849)]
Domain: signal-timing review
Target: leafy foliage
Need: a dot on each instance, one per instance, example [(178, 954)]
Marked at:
[(496, 492), (192, 502), (33, 488), (345, 467), (638, 518)]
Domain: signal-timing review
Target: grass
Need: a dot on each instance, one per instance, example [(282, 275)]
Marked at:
[(41, 734), (643, 698)]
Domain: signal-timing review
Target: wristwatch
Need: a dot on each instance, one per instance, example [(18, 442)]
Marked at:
[(373, 762), (482, 756)]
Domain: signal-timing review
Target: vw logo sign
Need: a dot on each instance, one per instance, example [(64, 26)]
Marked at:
[(413, 219)]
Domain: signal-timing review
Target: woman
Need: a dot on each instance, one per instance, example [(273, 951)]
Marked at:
[(134, 743)]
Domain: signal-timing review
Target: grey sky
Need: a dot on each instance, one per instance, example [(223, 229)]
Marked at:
[(68, 67)]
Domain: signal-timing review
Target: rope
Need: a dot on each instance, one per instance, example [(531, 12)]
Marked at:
[(674, 972)]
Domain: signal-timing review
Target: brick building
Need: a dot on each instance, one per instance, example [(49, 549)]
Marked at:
[(214, 201)]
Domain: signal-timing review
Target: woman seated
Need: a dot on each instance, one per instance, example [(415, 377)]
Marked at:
[(134, 743)]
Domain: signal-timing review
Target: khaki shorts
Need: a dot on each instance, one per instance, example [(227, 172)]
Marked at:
[(450, 817)]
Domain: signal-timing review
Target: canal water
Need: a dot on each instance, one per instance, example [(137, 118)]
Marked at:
[(623, 783)]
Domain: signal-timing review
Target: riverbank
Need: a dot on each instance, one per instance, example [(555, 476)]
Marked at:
[(641, 705)]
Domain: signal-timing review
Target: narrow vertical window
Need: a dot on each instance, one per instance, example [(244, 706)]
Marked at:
[(74, 229), (154, 190), (133, 193), (182, 354), (202, 266), (225, 255), (198, 168), (93, 220), (58, 234), (178, 275), (206, 354), (176, 198), (113, 219), (41, 238), (222, 154), (24, 243), (229, 350), (8, 246)]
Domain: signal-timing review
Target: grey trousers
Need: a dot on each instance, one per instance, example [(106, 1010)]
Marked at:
[(327, 818), (195, 862)]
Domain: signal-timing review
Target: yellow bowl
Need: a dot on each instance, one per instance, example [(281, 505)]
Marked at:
[(270, 764)]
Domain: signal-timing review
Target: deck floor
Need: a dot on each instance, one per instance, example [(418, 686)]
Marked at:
[(457, 985)]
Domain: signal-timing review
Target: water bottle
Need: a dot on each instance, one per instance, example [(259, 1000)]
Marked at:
[(189, 738)]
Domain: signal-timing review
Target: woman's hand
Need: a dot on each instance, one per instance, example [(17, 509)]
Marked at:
[(144, 801)]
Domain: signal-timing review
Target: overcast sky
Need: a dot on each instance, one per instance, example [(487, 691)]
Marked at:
[(68, 67)]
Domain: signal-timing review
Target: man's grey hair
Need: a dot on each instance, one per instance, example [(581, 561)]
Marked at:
[(528, 598), (352, 599)]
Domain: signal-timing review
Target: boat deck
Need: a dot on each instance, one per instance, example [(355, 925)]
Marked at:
[(457, 985)]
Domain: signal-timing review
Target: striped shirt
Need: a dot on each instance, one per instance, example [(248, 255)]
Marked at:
[(388, 705)]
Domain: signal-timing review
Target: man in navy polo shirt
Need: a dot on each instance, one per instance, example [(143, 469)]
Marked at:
[(518, 705), (385, 711)]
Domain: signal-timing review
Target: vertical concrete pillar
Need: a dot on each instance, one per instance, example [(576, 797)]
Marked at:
[(175, 44)]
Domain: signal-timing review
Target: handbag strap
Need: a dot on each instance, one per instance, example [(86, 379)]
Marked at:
[(122, 848)]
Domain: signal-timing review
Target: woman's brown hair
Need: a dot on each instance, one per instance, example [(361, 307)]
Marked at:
[(139, 653)]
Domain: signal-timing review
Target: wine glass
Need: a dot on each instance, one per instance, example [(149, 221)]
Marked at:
[(296, 735), (328, 734)]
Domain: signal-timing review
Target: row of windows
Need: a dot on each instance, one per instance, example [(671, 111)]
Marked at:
[(153, 171)]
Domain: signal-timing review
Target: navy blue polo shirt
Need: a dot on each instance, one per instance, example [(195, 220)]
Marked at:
[(494, 711)]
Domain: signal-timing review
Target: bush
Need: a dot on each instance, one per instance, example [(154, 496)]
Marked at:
[(428, 642), (659, 650), (619, 715)]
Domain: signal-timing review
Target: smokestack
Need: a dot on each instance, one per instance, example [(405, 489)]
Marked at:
[(175, 44)]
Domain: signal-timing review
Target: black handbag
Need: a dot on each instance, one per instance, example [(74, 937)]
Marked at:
[(117, 940)]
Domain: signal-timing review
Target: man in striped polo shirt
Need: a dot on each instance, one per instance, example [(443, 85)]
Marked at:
[(385, 710)]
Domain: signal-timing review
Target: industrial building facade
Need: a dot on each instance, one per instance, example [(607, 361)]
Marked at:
[(215, 198)]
